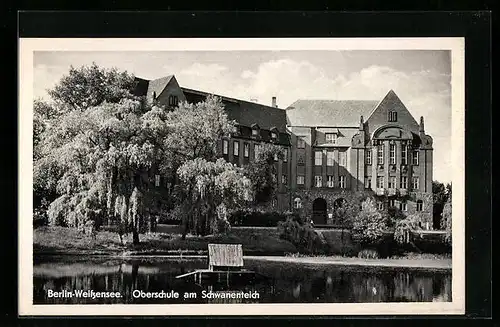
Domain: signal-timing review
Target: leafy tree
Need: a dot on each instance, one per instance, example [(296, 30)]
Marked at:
[(439, 199), (90, 86), (447, 220), (211, 186), (404, 228), (369, 225), (262, 171), (101, 147)]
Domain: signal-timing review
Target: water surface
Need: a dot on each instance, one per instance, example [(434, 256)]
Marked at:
[(274, 282)]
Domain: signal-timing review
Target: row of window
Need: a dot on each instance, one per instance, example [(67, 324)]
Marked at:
[(246, 150), (392, 155), (403, 206), (318, 181), (255, 133), (403, 183), (318, 158)]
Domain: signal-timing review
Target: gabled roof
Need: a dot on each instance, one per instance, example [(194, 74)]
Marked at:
[(158, 85), (341, 113), (245, 113)]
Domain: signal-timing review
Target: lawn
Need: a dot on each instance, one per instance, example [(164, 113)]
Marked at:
[(51, 240)]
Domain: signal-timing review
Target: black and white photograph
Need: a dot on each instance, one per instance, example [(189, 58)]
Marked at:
[(264, 176)]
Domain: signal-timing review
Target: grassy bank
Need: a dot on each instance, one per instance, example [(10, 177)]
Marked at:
[(53, 240)]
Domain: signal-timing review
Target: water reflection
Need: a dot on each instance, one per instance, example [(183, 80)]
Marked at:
[(283, 282)]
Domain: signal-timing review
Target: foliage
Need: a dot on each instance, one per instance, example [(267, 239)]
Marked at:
[(369, 225), (209, 185), (368, 254), (404, 228), (302, 235), (90, 86), (258, 218), (262, 171), (349, 208), (441, 193), (394, 215), (447, 220)]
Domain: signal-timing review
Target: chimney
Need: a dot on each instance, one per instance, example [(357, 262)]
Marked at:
[(361, 124), (422, 128), (273, 103)]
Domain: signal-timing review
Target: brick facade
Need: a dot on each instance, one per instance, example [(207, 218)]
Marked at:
[(332, 152)]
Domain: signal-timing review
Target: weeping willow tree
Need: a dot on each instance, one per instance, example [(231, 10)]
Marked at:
[(97, 153), (211, 188)]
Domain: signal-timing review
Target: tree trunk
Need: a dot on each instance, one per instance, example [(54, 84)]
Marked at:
[(135, 236)]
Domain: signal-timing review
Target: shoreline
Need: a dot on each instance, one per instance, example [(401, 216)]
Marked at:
[(331, 261)]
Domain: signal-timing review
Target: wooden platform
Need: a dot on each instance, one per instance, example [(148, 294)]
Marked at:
[(225, 262)]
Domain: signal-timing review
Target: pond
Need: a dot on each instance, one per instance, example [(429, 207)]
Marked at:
[(133, 280)]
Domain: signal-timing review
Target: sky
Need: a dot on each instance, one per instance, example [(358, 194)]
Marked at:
[(421, 79)]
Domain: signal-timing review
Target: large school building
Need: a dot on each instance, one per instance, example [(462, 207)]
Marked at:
[(333, 149)]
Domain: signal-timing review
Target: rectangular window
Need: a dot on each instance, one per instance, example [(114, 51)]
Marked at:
[(300, 180), (415, 158), (256, 149), (392, 154), (368, 183), (342, 181), (330, 182), (404, 154), (331, 138), (368, 154), (285, 155), (275, 157), (236, 148), (403, 206), (414, 182), (393, 116), (300, 159), (392, 203), (157, 180), (246, 150), (284, 179), (318, 181), (225, 147), (420, 205), (343, 158), (301, 144), (404, 182), (380, 206), (380, 154), (329, 158), (392, 182), (380, 181), (318, 158)]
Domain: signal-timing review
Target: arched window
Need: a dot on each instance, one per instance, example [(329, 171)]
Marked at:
[(297, 203)]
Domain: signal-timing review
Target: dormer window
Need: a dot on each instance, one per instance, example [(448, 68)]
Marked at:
[(274, 135), (393, 116), (236, 129), (331, 138), (173, 101), (255, 130)]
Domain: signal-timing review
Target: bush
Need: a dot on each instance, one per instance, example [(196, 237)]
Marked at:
[(221, 226), (257, 218), (368, 254), (369, 225), (303, 236), (394, 215)]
